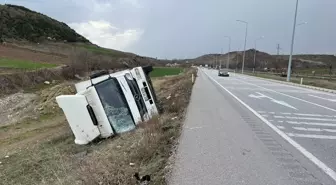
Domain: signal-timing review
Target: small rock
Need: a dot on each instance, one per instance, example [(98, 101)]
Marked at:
[(168, 97), (132, 164), (46, 82), (81, 154), (41, 108), (0, 162), (6, 156), (118, 146), (174, 118), (79, 77)]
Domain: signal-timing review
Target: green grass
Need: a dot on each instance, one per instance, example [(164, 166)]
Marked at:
[(23, 64), (166, 71), (100, 50), (318, 71)]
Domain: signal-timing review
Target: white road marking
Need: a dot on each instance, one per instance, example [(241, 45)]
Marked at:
[(312, 123), (244, 88), (307, 129), (281, 127), (309, 118), (279, 117), (314, 129), (290, 96), (313, 115), (332, 100), (285, 113), (260, 96), (265, 115), (312, 136), (272, 85), (192, 128), (305, 152), (261, 111), (329, 130)]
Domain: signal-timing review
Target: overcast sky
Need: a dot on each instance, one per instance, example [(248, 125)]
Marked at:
[(190, 28)]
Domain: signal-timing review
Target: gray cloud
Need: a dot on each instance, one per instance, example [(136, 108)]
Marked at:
[(189, 28)]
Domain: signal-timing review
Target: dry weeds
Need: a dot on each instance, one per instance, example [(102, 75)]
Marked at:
[(55, 159)]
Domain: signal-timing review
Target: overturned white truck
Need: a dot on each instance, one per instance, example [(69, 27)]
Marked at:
[(109, 104)]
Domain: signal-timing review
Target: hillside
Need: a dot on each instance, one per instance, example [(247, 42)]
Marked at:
[(318, 59), (28, 38), (262, 59), (20, 23), (265, 60)]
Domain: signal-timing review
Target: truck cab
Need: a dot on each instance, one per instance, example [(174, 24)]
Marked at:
[(115, 103)]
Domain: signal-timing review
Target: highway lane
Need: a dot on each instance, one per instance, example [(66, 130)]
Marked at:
[(224, 142), (307, 116)]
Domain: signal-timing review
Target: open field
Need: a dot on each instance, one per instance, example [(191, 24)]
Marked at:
[(23, 64), (329, 84), (318, 71), (41, 150), (166, 71), (29, 55)]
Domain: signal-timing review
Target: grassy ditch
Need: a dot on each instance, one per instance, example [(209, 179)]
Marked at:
[(48, 155)]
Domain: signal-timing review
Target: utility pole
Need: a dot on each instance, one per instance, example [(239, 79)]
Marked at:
[(246, 25), (228, 59), (237, 54), (289, 70), (277, 58), (278, 49), (255, 52), (220, 65)]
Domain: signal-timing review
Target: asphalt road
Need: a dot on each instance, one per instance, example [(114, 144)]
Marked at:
[(246, 130)]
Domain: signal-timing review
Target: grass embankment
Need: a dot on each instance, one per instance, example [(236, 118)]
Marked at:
[(23, 64), (46, 153), (106, 51), (328, 84), (166, 71)]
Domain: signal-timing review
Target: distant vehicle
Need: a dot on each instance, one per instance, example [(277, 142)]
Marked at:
[(223, 72)]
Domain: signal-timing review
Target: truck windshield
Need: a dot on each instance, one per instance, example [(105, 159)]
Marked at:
[(115, 105)]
